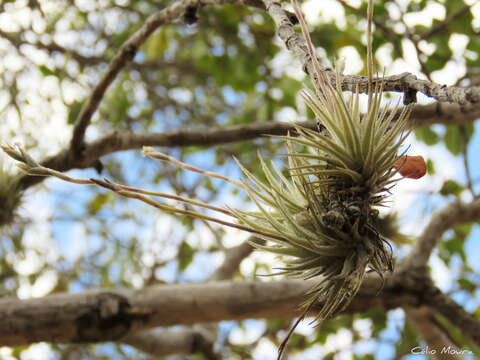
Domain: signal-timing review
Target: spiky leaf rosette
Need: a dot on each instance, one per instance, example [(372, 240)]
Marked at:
[(324, 216)]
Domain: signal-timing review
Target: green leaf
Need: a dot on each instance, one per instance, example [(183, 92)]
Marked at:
[(407, 341), (473, 45), (468, 129), (451, 246), (157, 44), (97, 203), (442, 53), (451, 187), (46, 71), (477, 313), (427, 135), (364, 357), (185, 255), (454, 334), (430, 167), (463, 231), (467, 285), (74, 111), (453, 139)]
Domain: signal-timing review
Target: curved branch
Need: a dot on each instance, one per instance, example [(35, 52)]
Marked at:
[(455, 213)]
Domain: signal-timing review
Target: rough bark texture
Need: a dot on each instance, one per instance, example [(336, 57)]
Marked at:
[(96, 316), (111, 315)]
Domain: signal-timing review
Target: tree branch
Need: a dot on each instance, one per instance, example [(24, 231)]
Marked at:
[(202, 337), (444, 114), (63, 161), (51, 48), (444, 24), (126, 54), (163, 343), (115, 314), (453, 214), (417, 282), (406, 83), (233, 257), (111, 315), (422, 115), (465, 322), (436, 339)]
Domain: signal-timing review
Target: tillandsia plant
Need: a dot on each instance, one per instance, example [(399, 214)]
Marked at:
[(322, 219)]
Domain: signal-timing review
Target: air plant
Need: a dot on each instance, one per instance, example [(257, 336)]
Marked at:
[(322, 219)]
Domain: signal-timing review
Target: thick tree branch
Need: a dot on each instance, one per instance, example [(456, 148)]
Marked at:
[(114, 315), (406, 83), (111, 315), (453, 214)]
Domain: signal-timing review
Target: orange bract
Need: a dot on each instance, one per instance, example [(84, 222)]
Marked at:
[(412, 167)]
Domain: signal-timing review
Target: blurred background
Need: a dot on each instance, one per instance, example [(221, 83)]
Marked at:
[(228, 68)]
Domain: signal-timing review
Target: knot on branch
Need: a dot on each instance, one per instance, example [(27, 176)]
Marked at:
[(130, 51), (190, 16), (108, 318), (409, 96), (472, 95)]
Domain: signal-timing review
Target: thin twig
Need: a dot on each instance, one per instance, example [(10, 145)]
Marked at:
[(463, 133), (414, 40), (390, 33), (444, 24), (150, 152)]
